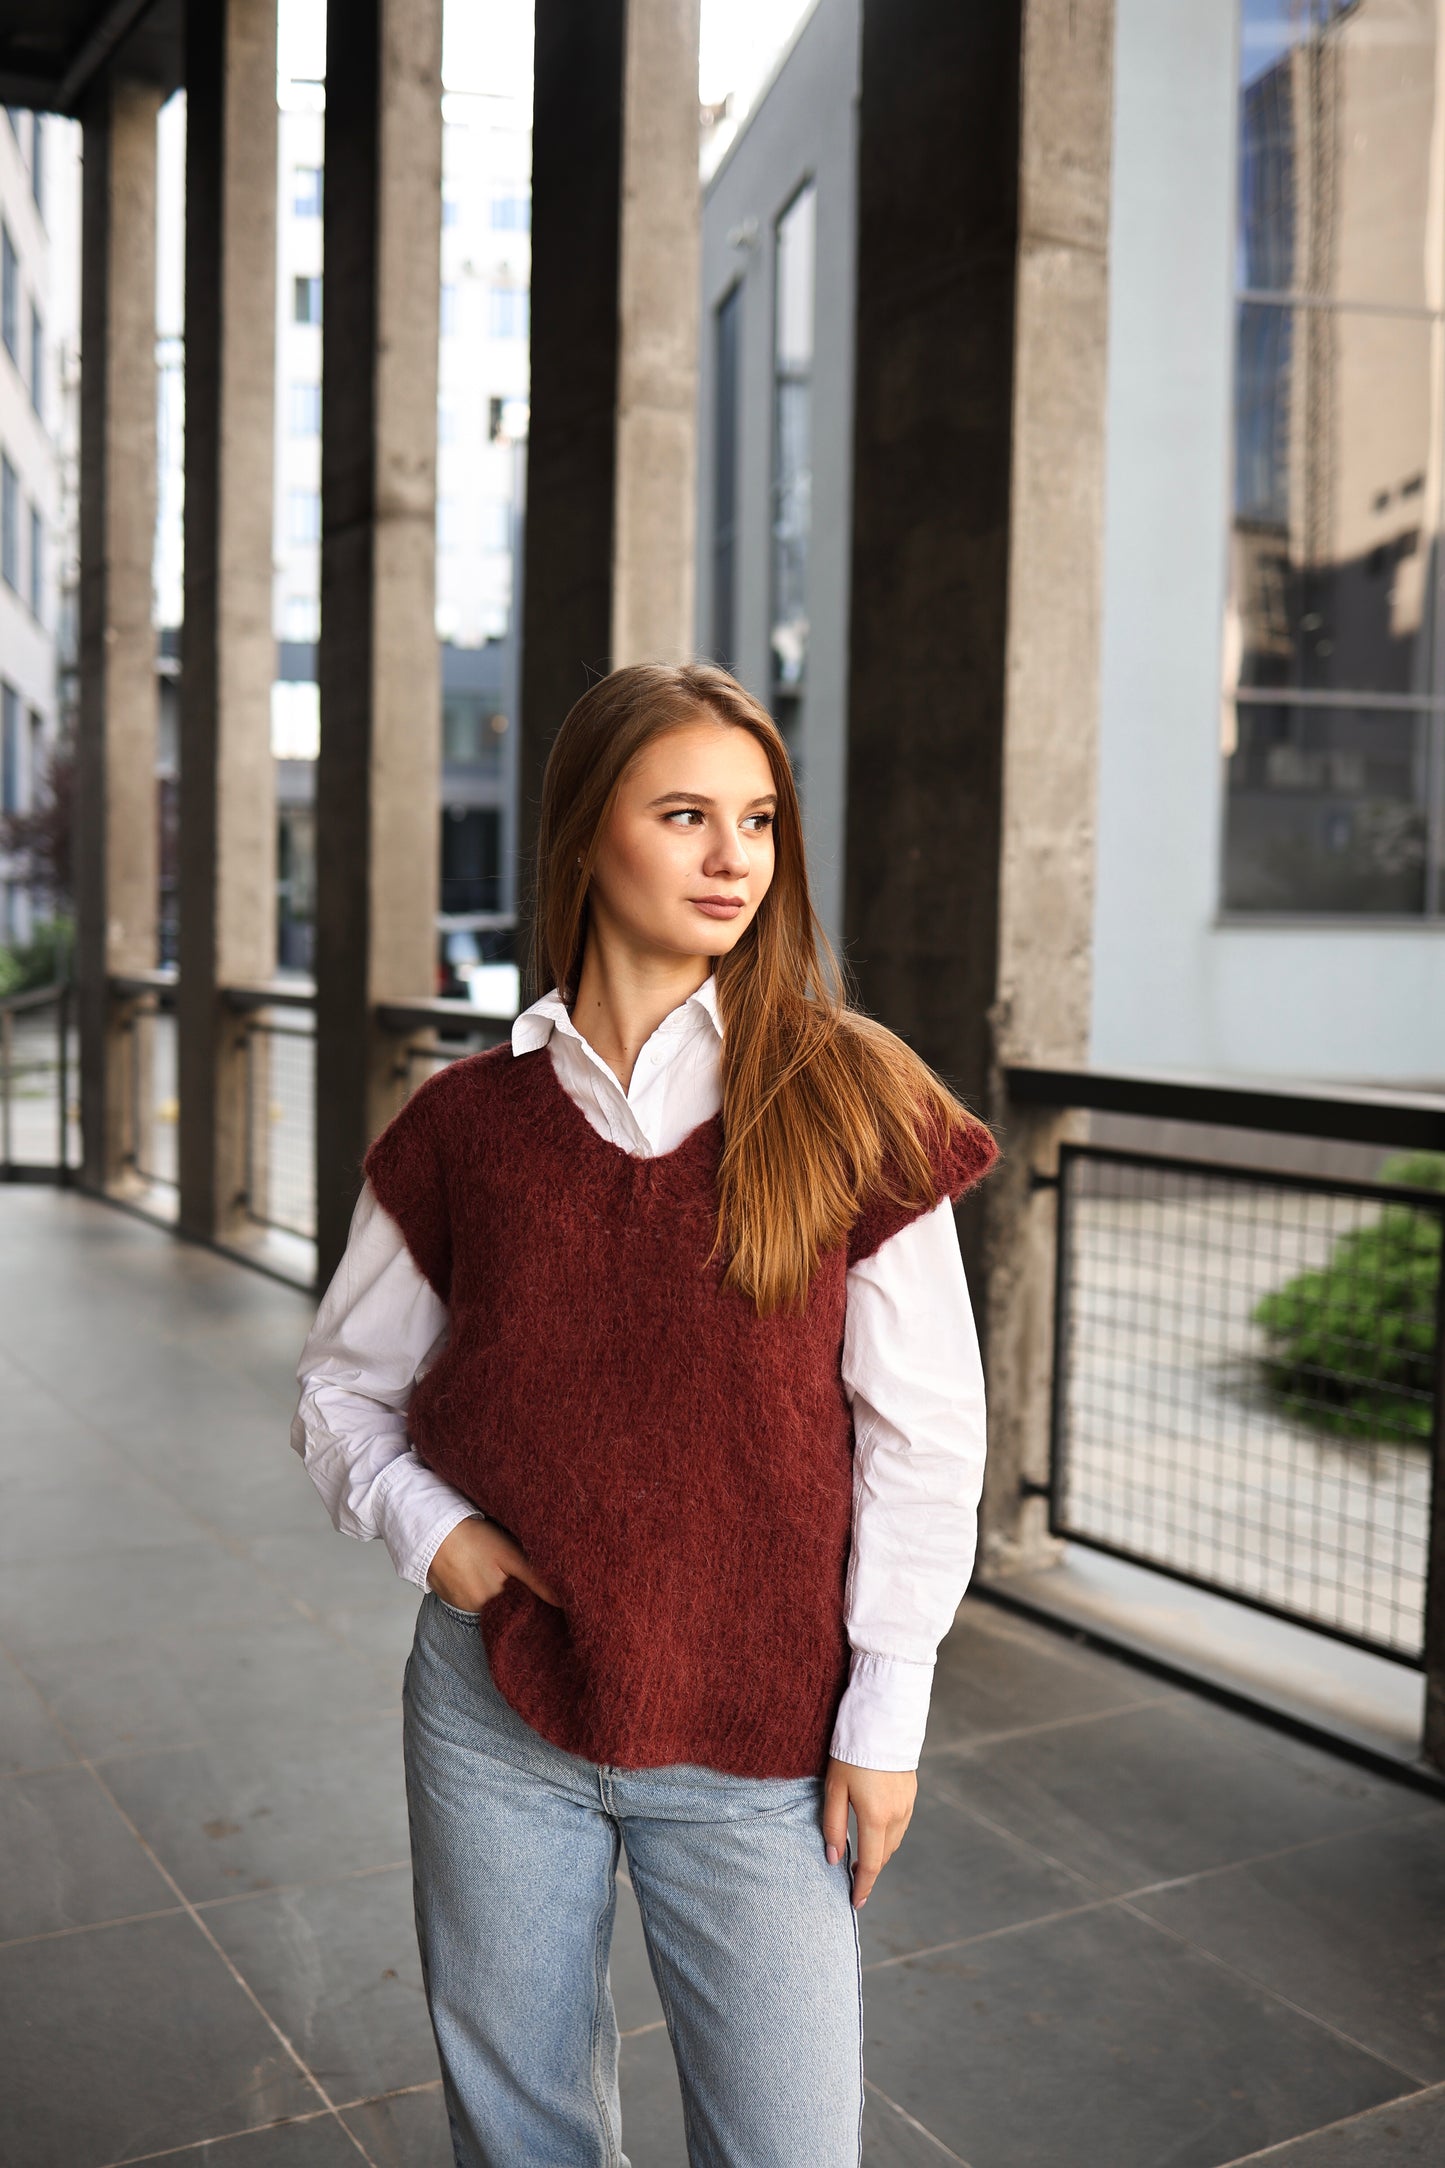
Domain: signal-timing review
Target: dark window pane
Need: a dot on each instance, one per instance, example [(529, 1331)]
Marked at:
[(726, 324), (471, 858), (1325, 809)]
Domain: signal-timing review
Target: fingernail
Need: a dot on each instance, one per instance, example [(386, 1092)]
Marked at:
[(832, 1855)]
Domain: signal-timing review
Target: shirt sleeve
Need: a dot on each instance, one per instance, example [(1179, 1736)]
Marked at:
[(380, 1327), (914, 1375)]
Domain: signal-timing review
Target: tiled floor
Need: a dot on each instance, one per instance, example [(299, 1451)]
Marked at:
[(1125, 1930)]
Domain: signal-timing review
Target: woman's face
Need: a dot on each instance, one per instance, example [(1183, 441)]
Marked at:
[(686, 855)]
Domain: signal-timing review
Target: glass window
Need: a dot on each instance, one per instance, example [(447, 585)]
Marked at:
[(37, 163), (451, 210), (9, 525), (472, 858), (306, 300), (792, 459), (448, 309), (472, 733), (303, 515), (507, 312), (303, 410), (37, 559), (306, 191), (9, 749), (1335, 694), (511, 211), (726, 324), (9, 296), (37, 360)]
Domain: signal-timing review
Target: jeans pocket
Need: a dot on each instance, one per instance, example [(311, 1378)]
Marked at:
[(466, 1618)]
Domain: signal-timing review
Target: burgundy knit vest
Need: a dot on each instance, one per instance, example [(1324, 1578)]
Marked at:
[(676, 1467)]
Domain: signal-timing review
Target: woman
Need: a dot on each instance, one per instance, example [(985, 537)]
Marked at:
[(652, 1360)]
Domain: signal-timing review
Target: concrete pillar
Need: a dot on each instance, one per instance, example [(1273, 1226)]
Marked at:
[(116, 811), (227, 829), (984, 146), (612, 451), (378, 821)]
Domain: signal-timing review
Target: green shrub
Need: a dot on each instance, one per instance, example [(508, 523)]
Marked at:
[(40, 961), (1352, 1346)]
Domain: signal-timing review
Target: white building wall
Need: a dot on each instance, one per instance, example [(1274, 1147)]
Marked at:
[(1175, 984), (33, 425)]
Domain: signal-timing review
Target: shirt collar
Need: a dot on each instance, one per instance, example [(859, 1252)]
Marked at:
[(535, 1026)]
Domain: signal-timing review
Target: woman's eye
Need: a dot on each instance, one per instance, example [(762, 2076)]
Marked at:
[(764, 819), (686, 812)]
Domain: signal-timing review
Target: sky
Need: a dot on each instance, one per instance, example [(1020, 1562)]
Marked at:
[(487, 44)]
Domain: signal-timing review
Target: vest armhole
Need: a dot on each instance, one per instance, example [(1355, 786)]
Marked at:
[(405, 1168), (958, 1167)]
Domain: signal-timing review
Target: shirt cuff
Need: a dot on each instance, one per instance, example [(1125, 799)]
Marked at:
[(883, 1714)]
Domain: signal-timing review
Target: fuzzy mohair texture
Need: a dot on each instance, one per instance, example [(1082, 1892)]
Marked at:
[(679, 1469)]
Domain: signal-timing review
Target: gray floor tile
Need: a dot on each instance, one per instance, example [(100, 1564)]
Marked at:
[(408, 2130), (652, 2129), (28, 1738), (952, 1877), (129, 2039), (329, 1571), (1157, 1792), (313, 2141), (1096, 2042), (894, 2140), (380, 1633), (226, 1818), (998, 1674), (1406, 2134), (634, 1991), (69, 1858), (81, 1602), (1354, 1931), (336, 1966), (182, 1686), (93, 1515)]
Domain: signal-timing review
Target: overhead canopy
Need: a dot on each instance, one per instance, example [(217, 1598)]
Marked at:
[(51, 51)]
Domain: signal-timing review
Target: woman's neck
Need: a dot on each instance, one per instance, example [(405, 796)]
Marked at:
[(621, 1000)]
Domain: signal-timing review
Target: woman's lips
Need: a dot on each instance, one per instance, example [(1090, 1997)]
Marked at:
[(718, 906)]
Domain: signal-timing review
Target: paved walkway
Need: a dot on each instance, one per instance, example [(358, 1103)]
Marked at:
[(1126, 1929)]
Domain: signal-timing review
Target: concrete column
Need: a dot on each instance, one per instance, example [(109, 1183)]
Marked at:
[(984, 144), (116, 812), (378, 781), (612, 452), (227, 792)]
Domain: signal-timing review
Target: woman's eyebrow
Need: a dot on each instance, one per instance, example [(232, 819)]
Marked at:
[(696, 797)]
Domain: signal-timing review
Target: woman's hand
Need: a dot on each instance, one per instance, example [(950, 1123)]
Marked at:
[(475, 1561), (882, 1807)]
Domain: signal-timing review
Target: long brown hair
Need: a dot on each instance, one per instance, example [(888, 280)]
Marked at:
[(820, 1103)]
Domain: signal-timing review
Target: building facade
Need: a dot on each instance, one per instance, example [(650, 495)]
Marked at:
[(1271, 802), (37, 457)]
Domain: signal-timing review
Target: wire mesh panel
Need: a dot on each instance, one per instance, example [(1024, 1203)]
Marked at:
[(1245, 1383), (34, 1073), (280, 1146)]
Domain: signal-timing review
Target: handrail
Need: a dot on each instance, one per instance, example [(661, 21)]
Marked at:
[(35, 997), (164, 980), (402, 1016), (297, 993), (1360, 1114)]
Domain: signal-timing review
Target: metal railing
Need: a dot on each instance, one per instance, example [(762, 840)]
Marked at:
[(38, 1071), (1249, 1364)]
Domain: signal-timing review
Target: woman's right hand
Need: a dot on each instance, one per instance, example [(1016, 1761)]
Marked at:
[(475, 1561)]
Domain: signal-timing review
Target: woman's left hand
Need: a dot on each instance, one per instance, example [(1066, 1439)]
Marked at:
[(882, 1801)]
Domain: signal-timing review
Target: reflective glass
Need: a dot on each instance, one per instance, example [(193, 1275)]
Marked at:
[(1339, 175), (1326, 809), (1337, 467)]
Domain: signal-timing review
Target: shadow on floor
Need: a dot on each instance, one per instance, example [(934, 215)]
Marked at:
[(1126, 1928)]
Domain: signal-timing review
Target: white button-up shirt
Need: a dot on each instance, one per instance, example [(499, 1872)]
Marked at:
[(911, 1370)]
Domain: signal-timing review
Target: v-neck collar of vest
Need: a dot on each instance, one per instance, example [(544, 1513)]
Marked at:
[(570, 1116)]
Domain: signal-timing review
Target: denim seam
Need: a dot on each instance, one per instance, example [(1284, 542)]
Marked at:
[(599, 1977)]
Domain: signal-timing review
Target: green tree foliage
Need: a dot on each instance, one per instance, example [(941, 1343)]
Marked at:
[(1351, 1347)]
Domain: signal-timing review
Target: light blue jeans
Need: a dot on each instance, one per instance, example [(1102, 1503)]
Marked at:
[(751, 1935)]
